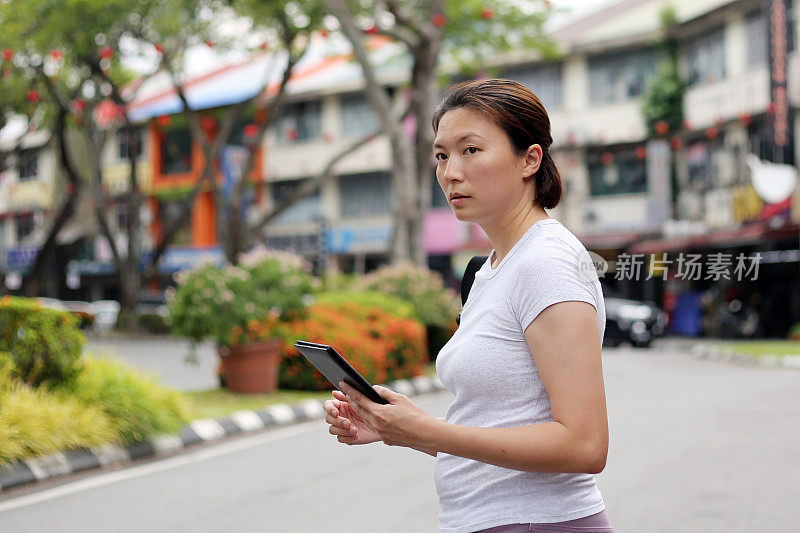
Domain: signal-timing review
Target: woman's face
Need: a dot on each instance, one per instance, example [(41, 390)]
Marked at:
[(475, 160)]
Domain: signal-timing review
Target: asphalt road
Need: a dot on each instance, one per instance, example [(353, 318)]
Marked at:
[(696, 446)]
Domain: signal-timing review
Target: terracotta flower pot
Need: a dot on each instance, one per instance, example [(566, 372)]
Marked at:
[(251, 368)]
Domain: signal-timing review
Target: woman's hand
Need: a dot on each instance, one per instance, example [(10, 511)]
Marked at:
[(348, 426), (398, 423)]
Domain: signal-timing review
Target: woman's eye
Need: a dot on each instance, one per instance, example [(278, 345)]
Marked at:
[(471, 150), (440, 156)]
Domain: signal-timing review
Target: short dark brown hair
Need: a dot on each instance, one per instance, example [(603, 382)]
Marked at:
[(518, 112)]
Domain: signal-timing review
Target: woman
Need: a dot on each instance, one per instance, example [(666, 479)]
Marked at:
[(528, 426)]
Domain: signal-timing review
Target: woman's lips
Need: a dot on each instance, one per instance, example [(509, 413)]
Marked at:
[(459, 200)]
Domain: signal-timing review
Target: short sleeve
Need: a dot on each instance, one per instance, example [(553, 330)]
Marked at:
[(548, 275)]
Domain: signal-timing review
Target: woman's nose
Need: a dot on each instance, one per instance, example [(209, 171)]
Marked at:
[(452, 171)]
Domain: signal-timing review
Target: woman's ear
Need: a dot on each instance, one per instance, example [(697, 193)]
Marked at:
[(533, 160)]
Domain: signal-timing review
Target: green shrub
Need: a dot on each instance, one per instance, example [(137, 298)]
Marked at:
[(387, 302), (433, 303), (153, 323), (39, 422), (44, 344), (220, 303), (137, 406), (337, 281)]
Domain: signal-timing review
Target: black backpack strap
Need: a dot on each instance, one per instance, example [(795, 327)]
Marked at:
[(469, 278)]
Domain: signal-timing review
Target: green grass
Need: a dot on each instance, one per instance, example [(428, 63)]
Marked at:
[(757, 348), (218, 403)]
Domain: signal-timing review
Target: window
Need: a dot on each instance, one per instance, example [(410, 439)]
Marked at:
[(358, 116), (169, 211), (705, 57), (544, 80), (363, 195), (619, 77), (756, 40), (25, 227), (304, 210), (299, 122), (176, 151), (706, 162), (122, 142), (122, 217), (28, 164), (625, 173)]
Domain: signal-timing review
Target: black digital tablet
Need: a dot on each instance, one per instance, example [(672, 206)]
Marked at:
[(336, 368)]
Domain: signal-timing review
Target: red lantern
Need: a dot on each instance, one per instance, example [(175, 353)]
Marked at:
[(607, 158), (263, 46), (106, 52), (744, 118), (662, 127), (487, 13), (57, 54), (687, 125), (291, 135), (209, 43), (324, 33), (160, 48), (8, 54), (164, 120), (439, 20), (676, 142), (250, 131), (78, 106), (712, 132), (208, 124), (372, 30), (641, 152), (33, 96)]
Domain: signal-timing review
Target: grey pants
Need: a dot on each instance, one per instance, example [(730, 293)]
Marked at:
[(596, 523)]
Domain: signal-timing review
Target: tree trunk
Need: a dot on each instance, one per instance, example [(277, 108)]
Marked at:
[(32, 282)]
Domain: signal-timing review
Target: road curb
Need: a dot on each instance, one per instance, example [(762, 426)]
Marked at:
[(729, 355), (35, 469)]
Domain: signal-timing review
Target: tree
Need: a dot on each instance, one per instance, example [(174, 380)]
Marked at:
[(663, 101), (71, 52), (467, 33)]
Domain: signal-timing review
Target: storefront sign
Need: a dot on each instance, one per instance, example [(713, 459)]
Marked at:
[(19, 259), (747, 204), (780, 118), (343, 240)]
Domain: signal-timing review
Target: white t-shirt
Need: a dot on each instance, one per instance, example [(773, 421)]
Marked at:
[(488, 366)]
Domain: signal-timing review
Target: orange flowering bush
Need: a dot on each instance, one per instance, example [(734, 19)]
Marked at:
[(380, 346)]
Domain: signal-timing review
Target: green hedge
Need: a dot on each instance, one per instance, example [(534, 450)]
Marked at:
[(40, 421), (136, 404), (387, 302), (44, 345)]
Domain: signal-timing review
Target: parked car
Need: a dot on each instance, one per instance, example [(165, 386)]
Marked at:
[(83, 310), (106, 313), (635, 321)]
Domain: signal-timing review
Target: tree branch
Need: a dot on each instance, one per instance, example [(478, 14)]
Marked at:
[(312, 184)]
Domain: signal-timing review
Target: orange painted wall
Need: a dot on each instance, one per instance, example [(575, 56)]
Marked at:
[(203, 213), (204, 232)]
